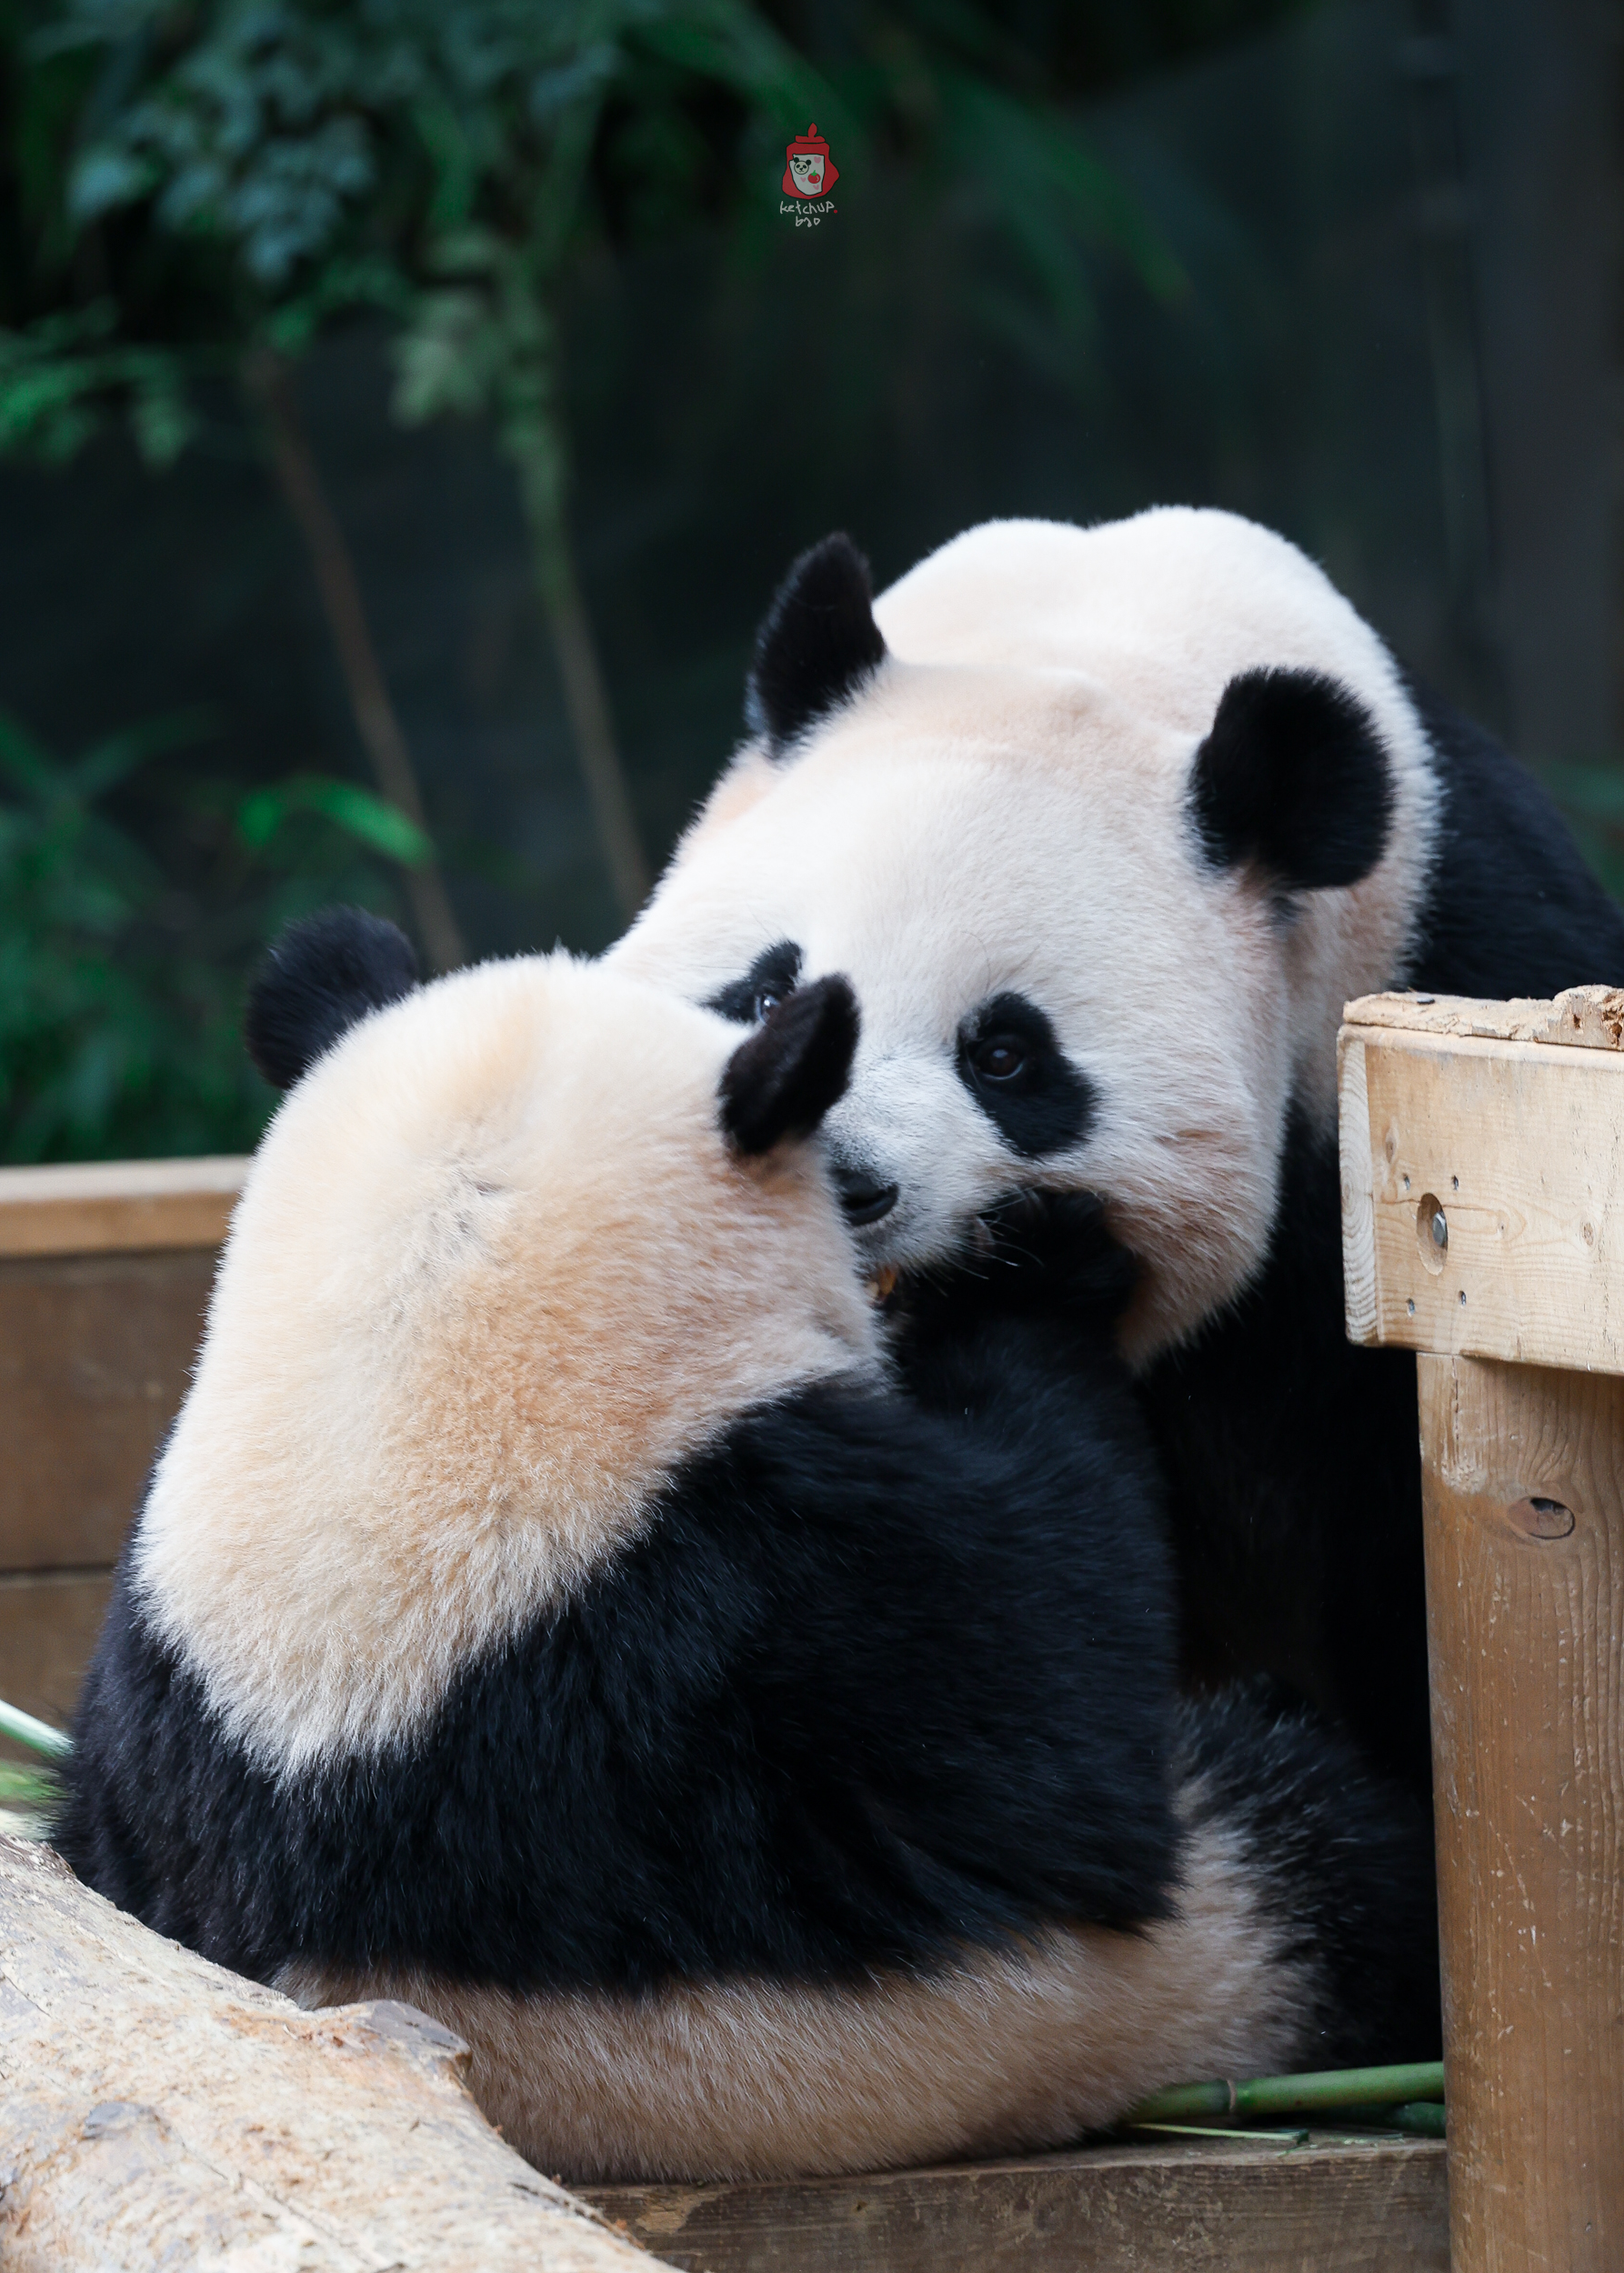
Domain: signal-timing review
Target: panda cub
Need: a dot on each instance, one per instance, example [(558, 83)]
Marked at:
[(1104, 826), (554, 1609)]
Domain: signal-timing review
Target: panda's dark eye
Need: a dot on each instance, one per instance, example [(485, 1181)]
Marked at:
[(770, 979), (1010, 1060), (1000, 1057)]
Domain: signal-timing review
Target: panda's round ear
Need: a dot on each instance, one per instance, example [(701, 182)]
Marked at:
[(784, 1079), (818, 643), (318, 979), (1294, 777)]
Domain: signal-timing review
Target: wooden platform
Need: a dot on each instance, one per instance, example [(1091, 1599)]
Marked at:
[(104, 1278), (1337, 2205)]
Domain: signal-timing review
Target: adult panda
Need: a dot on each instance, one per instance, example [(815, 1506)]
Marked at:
[(1105, 825), (550, 1608)]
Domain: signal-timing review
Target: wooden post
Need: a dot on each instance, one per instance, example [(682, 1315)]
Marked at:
[(1483, 1216)]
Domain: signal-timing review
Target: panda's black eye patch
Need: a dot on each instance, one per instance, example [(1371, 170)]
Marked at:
[(1011, 1062), (771, 977)]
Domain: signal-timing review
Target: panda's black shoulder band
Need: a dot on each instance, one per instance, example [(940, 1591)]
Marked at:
[(319, 978), (817, 644)]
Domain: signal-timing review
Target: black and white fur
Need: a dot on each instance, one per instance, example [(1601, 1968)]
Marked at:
[(553, 1607), (1104, 826)]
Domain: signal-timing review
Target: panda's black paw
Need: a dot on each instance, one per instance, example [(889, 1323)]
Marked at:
[(1043, 1251), (1044, 1257)]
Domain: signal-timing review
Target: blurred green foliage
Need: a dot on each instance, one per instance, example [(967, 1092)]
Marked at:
[(120, 997), (187, 184)]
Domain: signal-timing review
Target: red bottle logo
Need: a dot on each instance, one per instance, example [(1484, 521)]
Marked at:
[(808, 169)]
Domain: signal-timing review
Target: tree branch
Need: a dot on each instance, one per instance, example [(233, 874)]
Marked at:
[(270, 384)]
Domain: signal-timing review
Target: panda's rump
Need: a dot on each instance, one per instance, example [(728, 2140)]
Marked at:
[(986, 2052)]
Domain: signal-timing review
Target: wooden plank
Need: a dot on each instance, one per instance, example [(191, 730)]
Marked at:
[(1584, 1018), (91, 1206), (49, 1621), (1514, 1150), (1523, 1477), (95, 1355), (159, 2111), (1195, 2206)]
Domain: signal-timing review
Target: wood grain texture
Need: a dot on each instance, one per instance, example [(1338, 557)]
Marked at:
[(157, 2111), (1524, 1494), (1193, 2206), (95, 1355), (1359, 1186), (1519, 1145), (1584, 1018), (92, 1207)]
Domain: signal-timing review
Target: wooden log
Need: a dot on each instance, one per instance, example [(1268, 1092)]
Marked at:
[(1195, 2206), (1523, 1474), (156, 2110)]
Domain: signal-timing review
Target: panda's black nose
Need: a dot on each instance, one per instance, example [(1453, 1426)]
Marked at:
[(862, 1200)]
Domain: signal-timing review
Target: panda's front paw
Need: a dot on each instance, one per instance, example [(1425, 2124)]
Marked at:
[(1053, 1251), (1046, 1255)]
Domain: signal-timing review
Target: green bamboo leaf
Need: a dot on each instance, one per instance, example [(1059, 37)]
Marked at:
[(371, 820)]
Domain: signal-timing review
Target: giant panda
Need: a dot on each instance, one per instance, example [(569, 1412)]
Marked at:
[(554, 1607), (1105, 825)]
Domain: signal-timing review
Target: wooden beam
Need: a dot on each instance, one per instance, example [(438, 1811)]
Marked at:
[(90, 1207), (95, 1351), (1523, 1475), (156, 2110), (1334, 2205), (49, 1624), (1482, 1192)]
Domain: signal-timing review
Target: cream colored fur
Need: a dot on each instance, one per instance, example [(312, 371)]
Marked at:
[(493, 1274), (1004, 808), (1020, 2049)]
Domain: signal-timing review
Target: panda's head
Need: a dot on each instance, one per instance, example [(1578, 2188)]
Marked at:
[(513, 1246), (1103, 825)]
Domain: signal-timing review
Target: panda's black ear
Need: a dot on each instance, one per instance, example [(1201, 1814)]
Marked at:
[(784, 1079), (1293, 775), (319, 978), (819, 642)]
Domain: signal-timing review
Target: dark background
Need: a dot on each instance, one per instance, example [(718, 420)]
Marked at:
[(1395, 338)]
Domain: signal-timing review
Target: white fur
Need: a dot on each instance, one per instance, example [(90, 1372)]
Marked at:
[(1004, 806), (493, 1274), (1004, 2051)]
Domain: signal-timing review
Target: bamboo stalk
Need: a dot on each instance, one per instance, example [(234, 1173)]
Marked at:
[(1425, 2117), (1216, 2130), (1294, 2095), (38, 1735), (334, 571)]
